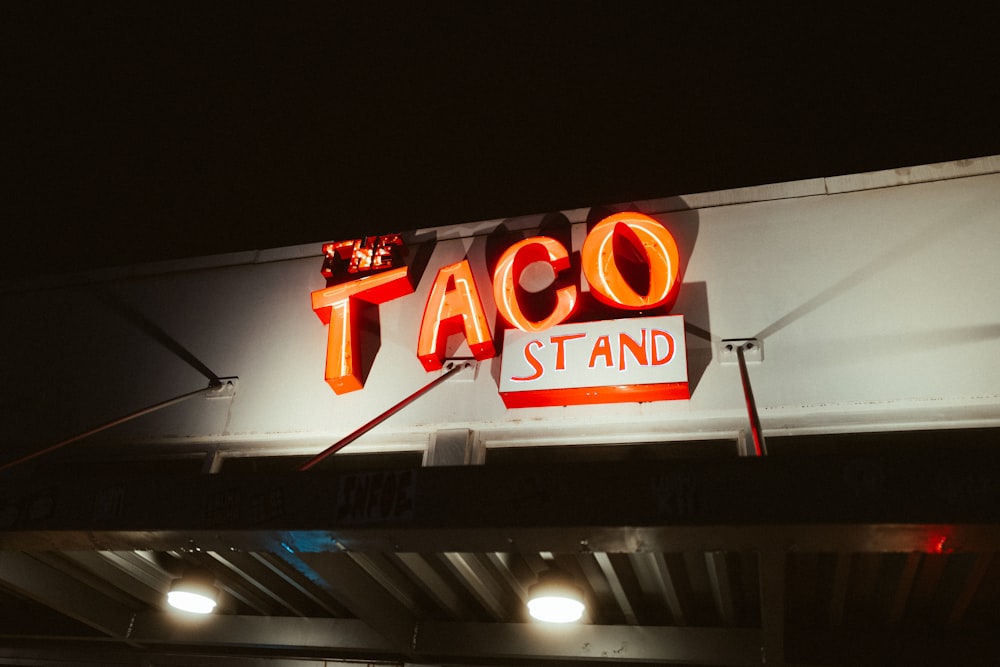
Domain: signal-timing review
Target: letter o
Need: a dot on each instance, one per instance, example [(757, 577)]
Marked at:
[(604, 275)]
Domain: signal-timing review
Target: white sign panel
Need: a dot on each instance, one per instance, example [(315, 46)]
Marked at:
[(627, 360)]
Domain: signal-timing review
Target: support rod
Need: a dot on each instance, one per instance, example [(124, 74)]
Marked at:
[(360, 431), (758, 437), (105, 426)]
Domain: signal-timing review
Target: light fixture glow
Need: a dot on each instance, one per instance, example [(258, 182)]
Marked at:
[(554, 609), (194, 593), (193, 603), (555, 599)]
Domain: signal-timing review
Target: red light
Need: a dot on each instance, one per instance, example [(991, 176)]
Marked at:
[(507, 276), (643, 237), (937, 545), (333, 305), (453, 307), (343, 260), (629, 260)]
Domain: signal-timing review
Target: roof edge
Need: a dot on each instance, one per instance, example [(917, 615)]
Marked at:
[(828, 185)]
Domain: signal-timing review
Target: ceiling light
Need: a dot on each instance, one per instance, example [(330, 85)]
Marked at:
[(194, 593), (555, 599)]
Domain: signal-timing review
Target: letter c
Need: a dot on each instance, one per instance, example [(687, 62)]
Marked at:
[(508, 273)]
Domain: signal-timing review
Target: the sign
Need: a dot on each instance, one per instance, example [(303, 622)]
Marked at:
[(375, 497), (629, 261), (615, 361)]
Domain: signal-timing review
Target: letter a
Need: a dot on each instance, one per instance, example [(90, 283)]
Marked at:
[(453, 306)]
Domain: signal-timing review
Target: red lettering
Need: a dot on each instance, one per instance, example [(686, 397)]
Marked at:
[(334, 306), (602, 348), (638, 350), (658, 360), (370, 254), (560, 348), (629, 259), (506, 279), (535, 363), (453, 307), (642, 236)]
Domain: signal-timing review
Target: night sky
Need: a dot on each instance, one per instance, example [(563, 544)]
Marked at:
[(147, 131)]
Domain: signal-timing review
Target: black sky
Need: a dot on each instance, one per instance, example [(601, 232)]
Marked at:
[(145, 131)]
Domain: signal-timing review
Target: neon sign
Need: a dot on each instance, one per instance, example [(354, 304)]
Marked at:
[(612, 361), (607, 275), (450, 311), (508, 275), (630, 262), (378, 260), (348, 259)]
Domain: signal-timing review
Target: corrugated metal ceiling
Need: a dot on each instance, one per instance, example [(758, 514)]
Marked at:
[(866, 603)]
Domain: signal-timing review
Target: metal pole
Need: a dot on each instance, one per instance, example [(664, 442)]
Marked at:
[(758, 437), (360, 431), (104, 427)]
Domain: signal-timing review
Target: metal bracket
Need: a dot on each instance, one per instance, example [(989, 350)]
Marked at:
[(467, 374), (753, 350), (225, 390)]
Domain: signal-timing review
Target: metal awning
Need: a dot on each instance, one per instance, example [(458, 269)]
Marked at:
[(790, 559)]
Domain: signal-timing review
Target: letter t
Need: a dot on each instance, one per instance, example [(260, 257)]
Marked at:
[(335, 306)]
